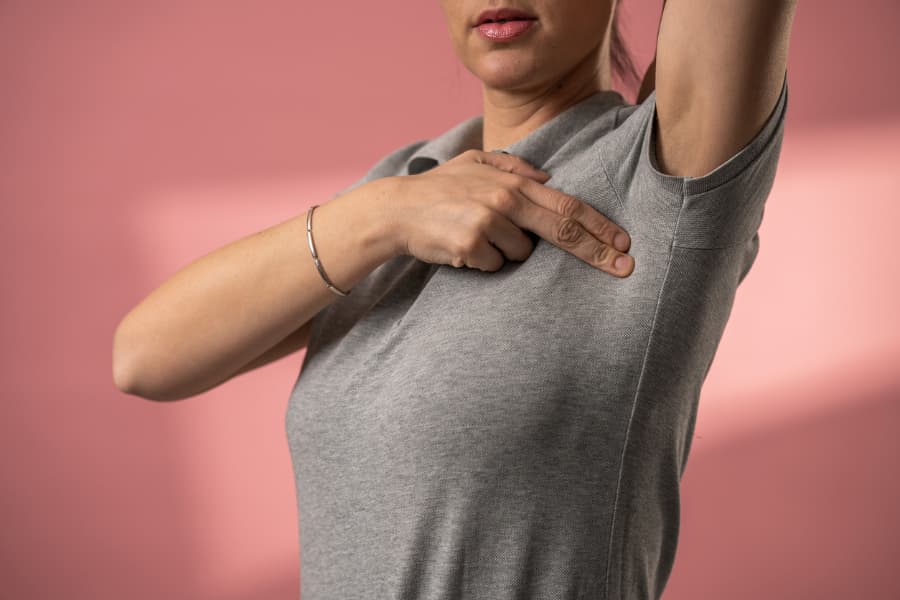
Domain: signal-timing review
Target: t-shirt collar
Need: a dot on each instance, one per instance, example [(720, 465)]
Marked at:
[(536, 147)]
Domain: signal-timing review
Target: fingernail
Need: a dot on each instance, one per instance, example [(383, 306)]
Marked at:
[(621, 263), (621, 242)]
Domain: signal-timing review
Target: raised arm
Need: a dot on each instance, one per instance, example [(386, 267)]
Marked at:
[(718, 73)]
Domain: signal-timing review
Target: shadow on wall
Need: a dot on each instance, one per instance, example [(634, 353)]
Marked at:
[(807, 509)]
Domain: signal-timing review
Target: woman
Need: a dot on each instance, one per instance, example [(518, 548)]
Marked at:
[(504, 348)]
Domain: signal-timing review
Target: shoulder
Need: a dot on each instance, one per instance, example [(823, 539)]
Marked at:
[(393, 162), (719, 208), (631, 150)]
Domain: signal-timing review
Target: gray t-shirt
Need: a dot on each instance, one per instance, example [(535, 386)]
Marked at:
[(521, 434)]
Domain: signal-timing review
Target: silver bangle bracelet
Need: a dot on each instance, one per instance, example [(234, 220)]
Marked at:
[(312, 250)]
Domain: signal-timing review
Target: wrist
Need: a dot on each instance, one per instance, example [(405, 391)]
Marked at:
[(376, 206)]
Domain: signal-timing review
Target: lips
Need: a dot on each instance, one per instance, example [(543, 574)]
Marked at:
[(503, 14)]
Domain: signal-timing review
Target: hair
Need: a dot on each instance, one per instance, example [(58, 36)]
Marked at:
[(619, 55)]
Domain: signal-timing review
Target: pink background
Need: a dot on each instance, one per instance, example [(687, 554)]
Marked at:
[(135, 137)]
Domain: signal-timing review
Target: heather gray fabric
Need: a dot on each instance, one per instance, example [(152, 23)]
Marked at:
[(522, 434)]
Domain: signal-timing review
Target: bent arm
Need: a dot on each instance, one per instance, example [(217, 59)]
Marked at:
[(718, 73), (249, 302)]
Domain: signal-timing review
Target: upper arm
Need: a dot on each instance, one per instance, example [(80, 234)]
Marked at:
[(720, 66)]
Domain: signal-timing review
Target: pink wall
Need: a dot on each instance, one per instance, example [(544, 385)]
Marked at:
[(136, 138)]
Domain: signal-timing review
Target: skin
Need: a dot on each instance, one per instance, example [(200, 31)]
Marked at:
[(563, 59), (172, 345), (719, 69), (701, 120)]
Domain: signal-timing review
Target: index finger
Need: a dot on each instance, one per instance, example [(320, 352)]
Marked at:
[(595, 222)]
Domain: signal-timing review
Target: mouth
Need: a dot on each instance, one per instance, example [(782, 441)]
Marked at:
[(502, 15)]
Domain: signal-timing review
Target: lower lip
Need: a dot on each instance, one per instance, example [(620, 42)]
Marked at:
[(501, 32)]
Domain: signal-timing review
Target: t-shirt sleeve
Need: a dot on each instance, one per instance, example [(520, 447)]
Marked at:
[(719, 209)]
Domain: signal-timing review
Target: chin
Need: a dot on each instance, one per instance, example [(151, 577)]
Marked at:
[(505, 73)]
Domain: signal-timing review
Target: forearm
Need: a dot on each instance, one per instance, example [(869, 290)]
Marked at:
[(228, 307)]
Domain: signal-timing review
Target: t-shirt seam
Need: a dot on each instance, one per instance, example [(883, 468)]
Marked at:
[(637, 391), (619, 200)]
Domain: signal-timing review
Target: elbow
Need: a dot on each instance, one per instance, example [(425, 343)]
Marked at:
[(128, 380), (129, 376), (122, 371), (121, 377)]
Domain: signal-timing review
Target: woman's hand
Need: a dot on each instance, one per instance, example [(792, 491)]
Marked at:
[(470, 211)]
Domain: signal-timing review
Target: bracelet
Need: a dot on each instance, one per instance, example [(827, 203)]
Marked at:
[(312, 249)]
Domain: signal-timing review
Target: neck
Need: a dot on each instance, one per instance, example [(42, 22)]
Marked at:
[(510, 115)]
